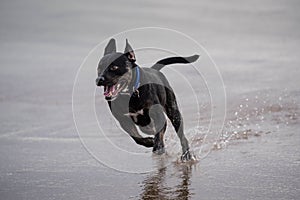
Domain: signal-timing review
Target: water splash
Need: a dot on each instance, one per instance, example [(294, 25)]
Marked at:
[(253, 115)]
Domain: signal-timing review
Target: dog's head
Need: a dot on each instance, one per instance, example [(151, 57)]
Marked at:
[(115, 70)]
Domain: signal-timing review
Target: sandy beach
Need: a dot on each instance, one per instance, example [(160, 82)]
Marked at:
[(48, 47)]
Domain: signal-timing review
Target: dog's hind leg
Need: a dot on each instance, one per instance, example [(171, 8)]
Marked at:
[(174, 115), (159, 147)]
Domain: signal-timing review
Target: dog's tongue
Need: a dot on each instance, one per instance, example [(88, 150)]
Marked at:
[(109, 90)]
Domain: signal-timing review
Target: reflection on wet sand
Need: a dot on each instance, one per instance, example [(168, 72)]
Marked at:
[(158, 185)]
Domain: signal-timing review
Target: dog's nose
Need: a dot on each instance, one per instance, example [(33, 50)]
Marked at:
[(100, 80)]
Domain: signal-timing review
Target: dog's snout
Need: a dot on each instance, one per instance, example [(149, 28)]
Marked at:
[(100, 81)]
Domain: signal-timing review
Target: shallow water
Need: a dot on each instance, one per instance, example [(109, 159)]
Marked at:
[(255, 155)]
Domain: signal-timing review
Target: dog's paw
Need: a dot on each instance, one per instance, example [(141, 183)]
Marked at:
[(148, 142), (187, 156)]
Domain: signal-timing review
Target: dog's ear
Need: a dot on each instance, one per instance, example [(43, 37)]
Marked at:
[(110, 47), (129, 53)]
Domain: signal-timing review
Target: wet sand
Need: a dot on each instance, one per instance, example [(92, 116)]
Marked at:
[(255, 46)]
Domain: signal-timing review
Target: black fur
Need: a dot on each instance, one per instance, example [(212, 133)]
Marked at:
[(141, 107)]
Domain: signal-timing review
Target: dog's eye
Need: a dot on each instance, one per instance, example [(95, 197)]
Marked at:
[(113, 68)]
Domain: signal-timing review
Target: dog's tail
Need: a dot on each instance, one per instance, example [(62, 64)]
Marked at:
[(174, 60)]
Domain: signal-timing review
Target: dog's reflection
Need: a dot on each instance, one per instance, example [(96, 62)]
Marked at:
[(170, 182)]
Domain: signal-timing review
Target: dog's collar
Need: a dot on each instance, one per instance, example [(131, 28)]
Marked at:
[(135, 91), (137, 78)]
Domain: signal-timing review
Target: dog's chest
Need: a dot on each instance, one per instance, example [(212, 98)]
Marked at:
[(135, 115), (139, 113)]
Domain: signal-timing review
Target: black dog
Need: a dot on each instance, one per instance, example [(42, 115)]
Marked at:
[(141, 96)]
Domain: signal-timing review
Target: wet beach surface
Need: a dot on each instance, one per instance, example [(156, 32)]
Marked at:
[(255, 45)]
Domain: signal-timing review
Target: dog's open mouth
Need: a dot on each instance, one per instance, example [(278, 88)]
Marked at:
[(112, 91)]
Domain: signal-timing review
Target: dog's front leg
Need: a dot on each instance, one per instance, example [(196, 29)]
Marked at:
[(128, 126)]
